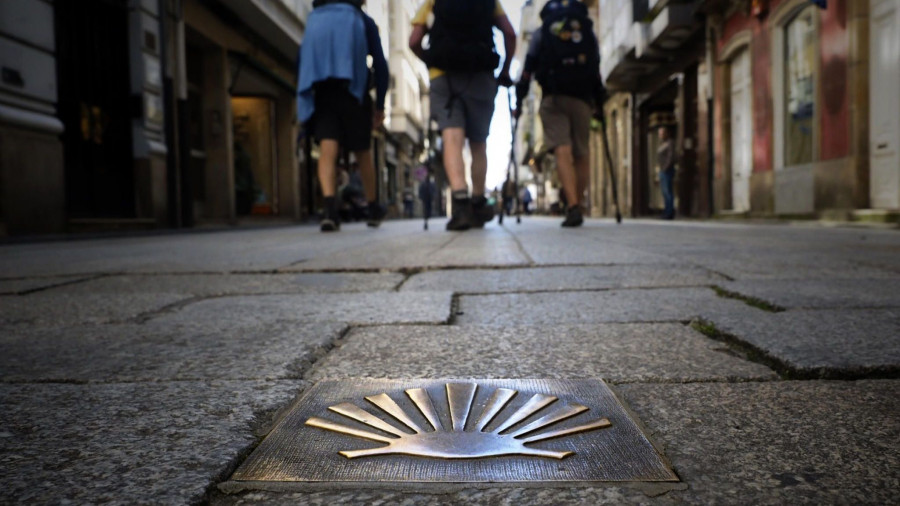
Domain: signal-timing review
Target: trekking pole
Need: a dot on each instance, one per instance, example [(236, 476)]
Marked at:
[(512, 155), (612, 172), (430, 164)]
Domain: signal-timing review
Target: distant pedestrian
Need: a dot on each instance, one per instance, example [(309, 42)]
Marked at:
[(426, 195), (461, 61), (509, 196), (665, 156), (564, 57), (333, 99), (526, 200)]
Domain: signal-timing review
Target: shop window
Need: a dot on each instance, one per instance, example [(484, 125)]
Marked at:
[(799, 87)]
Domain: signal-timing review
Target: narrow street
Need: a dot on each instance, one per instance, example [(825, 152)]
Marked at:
[(762, 361)]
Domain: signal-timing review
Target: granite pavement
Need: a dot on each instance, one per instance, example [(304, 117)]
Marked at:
[(762, 360)]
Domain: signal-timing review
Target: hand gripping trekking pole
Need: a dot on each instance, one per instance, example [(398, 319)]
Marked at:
[(612, 171)]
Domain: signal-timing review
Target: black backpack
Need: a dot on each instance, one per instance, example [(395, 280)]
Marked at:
[(462, 37), (320, 3), (569, 57)]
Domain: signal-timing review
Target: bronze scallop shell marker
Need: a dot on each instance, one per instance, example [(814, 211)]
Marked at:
[(459, 439)]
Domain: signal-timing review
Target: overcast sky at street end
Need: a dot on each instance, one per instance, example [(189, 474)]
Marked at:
[(501, 135)]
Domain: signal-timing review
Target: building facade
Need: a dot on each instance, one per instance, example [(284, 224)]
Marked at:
[(653, 62), (401, 146), (147, 113), (793, 100)]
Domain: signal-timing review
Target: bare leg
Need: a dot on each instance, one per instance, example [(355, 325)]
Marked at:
[(454, 138), (479, 167), (367, 173), (565, 167), (328, 153)]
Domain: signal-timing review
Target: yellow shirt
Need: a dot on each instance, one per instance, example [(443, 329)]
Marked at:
[(424, 17)]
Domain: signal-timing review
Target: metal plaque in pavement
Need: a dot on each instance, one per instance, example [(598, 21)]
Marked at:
[(456, 431)]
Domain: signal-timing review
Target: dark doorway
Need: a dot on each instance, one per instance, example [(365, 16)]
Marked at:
[(92, 59)]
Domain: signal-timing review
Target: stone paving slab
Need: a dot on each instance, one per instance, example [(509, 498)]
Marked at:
[(546, 243), (351, 308), (164, 352), (614, 352), (434, 248), (777, 443), (822, 293), (24, 285), (753, 264), (240, 284), (135, 443), (220, 251), (833, 342), (641, 305), (51, 309), (731, 443), (560, 278)]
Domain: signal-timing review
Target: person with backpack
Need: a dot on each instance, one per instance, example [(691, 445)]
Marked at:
[(564, 56), (333, 96), (461, 60)]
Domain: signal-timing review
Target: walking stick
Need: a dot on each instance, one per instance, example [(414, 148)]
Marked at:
[(512, 156), (612, 172)]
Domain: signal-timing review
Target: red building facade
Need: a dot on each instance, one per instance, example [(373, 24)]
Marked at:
[(806, 96)]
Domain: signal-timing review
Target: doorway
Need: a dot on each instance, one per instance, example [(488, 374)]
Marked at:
[(885, 105), (741, 129), (255, 157), (94, 106)]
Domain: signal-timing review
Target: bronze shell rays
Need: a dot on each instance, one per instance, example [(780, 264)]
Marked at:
[(455, 442)]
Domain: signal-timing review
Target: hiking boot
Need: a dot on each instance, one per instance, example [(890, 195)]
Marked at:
[(481, 212), (462, 218), (573, 217), (376, 214), (331, 220)]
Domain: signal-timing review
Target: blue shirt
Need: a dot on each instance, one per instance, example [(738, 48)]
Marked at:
[(338, 38)]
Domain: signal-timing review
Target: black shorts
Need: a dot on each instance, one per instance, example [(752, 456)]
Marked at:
[(339, 116)]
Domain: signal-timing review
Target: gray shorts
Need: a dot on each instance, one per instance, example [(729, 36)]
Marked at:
[(464, 100), (567, 122)]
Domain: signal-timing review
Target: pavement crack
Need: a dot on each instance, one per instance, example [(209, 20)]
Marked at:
[(407, 274), (58, 285), (753, 353), (170, 308), (303, 364), (749, 300)]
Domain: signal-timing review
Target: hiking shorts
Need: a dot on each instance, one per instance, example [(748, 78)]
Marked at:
[(464, 100), (339, 116), (567, 122)]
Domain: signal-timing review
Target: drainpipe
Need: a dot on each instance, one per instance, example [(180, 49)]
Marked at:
[(711, 116), (172, 169)]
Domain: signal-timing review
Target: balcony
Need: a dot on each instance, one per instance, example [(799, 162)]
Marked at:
[(275, 20)]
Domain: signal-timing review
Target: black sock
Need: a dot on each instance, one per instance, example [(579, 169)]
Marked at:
[(460, 194), (479, 201), (328, 205)]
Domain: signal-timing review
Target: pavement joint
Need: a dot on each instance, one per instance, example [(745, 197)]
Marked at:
[(302, 366), (758, 355), (748, 299), (454, 309), (578, 290), (29, 291), (169, 308), (520, 246)]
